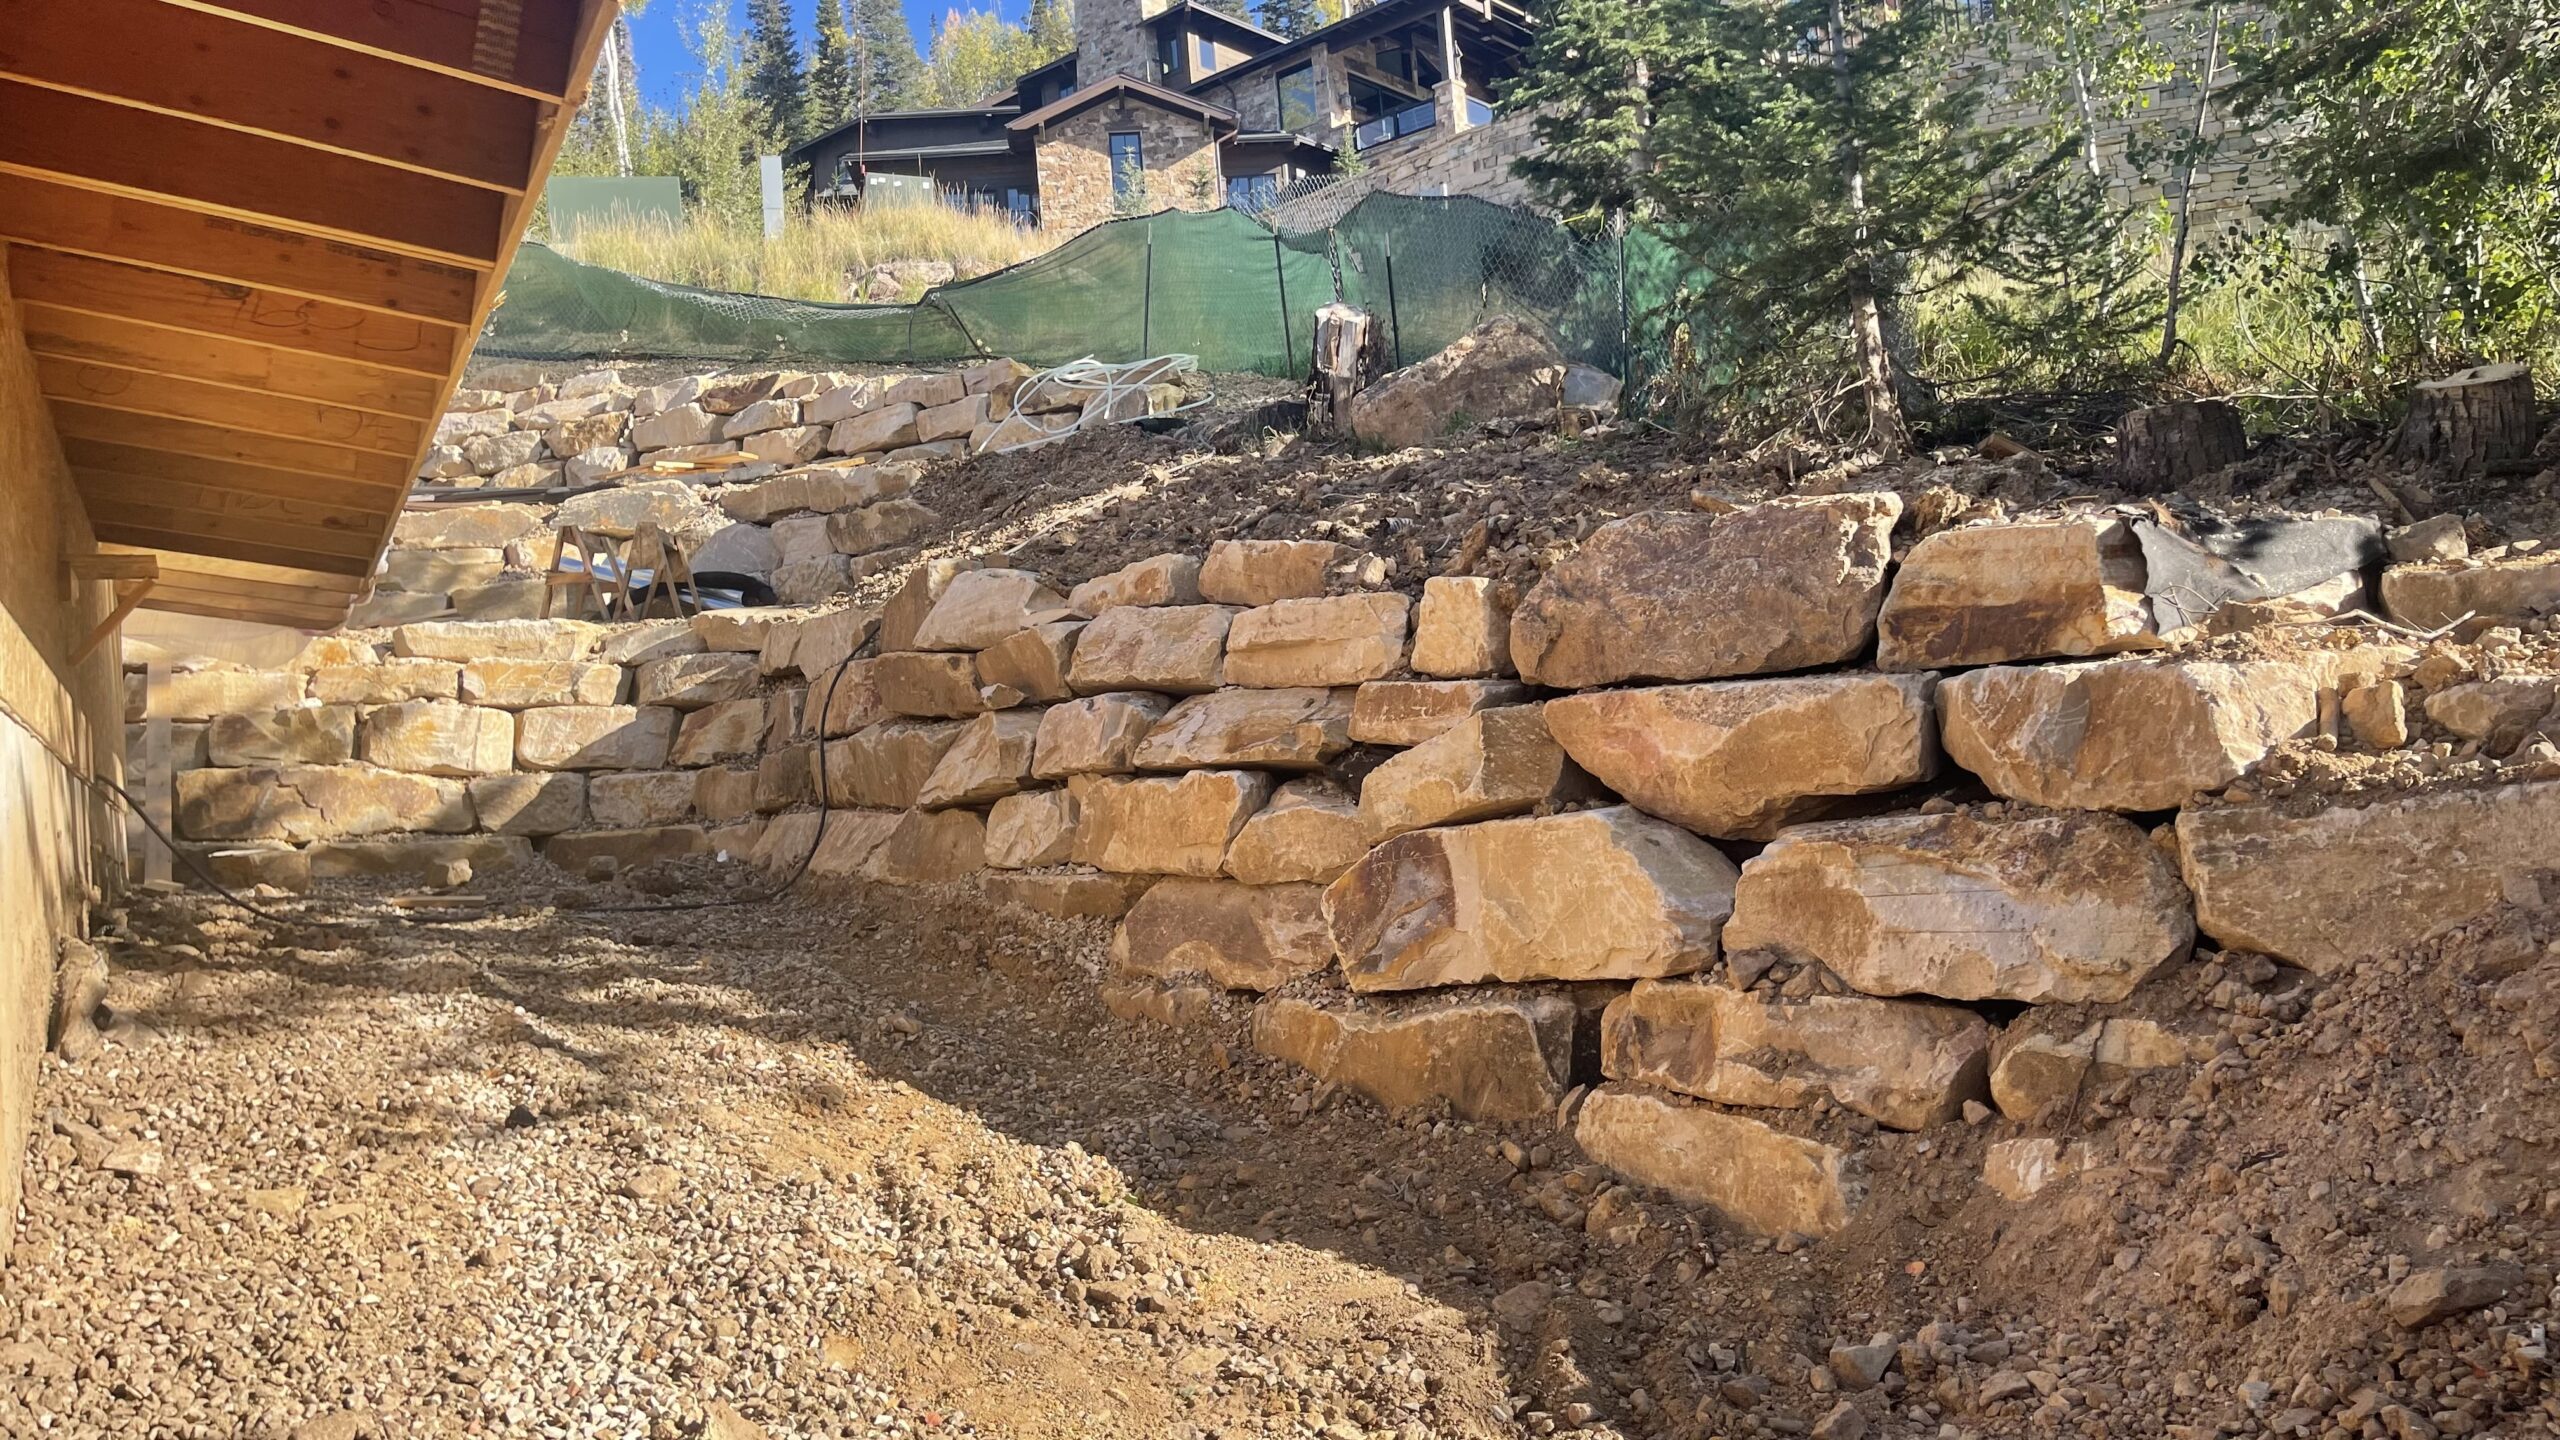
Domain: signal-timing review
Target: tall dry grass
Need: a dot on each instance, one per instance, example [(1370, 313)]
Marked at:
[(818, 256)]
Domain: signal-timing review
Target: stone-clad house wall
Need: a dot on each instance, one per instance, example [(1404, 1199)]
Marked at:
[(1075, 165)]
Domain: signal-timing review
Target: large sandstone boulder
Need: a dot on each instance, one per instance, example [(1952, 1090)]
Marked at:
[(719, 734), (1409, 712), (1788, 585), (1309, 834), (1033, 663), (1170, 826), (315, 802), (468, 527), (2038, 1073), (1242, 937), (640, 799), (885, 766), (1462, 630), (1272, 729), (1600, 895), (594, 737), (1260, 572), (525, 684), (2052, 908), (1985, 594), (1493, 763), (2432, 595), (2500, 713), (1744, 758), (1502, 370), (1032, 829), (1099, 735), (1069, 894), (1332, 640), (437, 737), (675, 507), (1760, 1179), (2327, 889), (530, 804), (930, 847), (982, 607), (1156, 580), (1177, 649), (1903, 1063), (689, 682), (203, 694), (988, 760), (924, 587), (1493, 1056), (467, 640), (303, 735), (648, 640), (927, 685), (2131, 735), (386, 683)]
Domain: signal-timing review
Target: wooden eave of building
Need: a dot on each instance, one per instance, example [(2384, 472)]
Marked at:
[(251, 242), (1221, 121)]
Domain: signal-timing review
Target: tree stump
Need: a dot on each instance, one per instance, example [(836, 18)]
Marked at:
[(2163, 447), (2467, 420)]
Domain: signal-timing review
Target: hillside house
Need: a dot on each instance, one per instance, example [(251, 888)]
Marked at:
[(1173, 104)]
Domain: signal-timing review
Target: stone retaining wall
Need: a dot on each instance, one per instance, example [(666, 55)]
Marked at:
[(1732, 821)]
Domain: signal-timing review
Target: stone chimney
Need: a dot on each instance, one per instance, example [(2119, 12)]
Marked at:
[(1111, 39)]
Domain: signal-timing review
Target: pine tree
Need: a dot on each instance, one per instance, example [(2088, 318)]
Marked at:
[(1053, 27), (833, 97), (887, 71), (1291, 18), (774, 80)]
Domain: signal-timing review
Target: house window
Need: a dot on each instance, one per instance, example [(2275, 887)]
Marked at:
[(1017, 203), (1208, 56), (1252, 194), (1128, 168), (1298, 98), (1168, 53)]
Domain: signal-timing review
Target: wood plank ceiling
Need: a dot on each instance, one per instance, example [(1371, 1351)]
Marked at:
[(251, 242)]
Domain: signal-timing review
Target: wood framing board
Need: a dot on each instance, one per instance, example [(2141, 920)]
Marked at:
[(180, 567), (195, 542), (335, 535), (97, 144), (439, 34), (253, 316), (253, 412), (274, 83), (218, 248), (162, 467), (74, 420), (150, 350)]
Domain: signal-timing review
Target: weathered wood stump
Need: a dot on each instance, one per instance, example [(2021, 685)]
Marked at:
[(2466, 420), (2162, 447)]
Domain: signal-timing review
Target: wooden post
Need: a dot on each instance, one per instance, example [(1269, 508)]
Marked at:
[(158, 781), (1453, 76), (2467, 420), (2166, 446)]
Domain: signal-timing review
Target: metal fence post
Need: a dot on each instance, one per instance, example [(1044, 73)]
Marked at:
[(1395, 316), (1280, 269), (1147, 305)]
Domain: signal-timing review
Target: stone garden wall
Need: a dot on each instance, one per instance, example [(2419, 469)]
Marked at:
[(1734, 819)]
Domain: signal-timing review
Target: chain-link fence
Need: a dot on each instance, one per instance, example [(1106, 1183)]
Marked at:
[(1221, 285)]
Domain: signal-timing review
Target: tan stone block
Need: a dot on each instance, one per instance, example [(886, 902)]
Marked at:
[(820, 490), (468, 527), (1242, 937), (524, 684), (930, 847), (332, 650), (2500, 714), (718, 734), (760, 417), (519, 599), (284, 868), (203, 694), (1173, 826), (1985, 594), (594, 737), (997, 379), (927, 390), (841, 850), (924, 586), (437, 572), (1744, 758), (628, 848), (2342, 884), (841, 701), (435, 737), (1178, 649), (875, 528), (418, 857), (787, 777), (890, 427), (1462, 630), (723, 794), (2435, 594), (1099, 735), (1902, 1063), (386, 683), (954, 421), (690, 682), (1599, 895), (813, 583), (315, 802), (641, 799), (990, 759), (468, 640), (681, 427), (647, 640), (605, 430), (842, 402), (1309, 834), (1334, 640), (981, 608), (530, 804), (1069, 894), (885, 767), (2049, 908), (1491, 764), (739, 632), (1156, 580), (304, 735), (926, 684), (1258, 572), (2131, 734), (1763, 1180), (1787, 585), (1410, 712), (1033, 663), (1501, 1057), (1272, 729), (826, 641), (2378, 713), (2037, 1074), (1031, 830)]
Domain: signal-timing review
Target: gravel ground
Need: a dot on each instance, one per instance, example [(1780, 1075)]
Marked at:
[(880, 1164)]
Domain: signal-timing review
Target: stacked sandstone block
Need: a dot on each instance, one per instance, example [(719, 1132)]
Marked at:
[(1691, 792)]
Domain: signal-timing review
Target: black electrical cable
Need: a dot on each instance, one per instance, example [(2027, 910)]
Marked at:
[(807, 857)]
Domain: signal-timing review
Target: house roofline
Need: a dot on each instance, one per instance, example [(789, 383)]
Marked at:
[(813, 142), (1129, 85), (1494, 11)]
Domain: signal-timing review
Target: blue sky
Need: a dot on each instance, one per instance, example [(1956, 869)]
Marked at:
[(667, 68)]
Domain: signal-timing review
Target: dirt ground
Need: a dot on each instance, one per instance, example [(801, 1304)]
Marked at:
[(864, 1164)]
